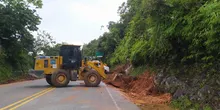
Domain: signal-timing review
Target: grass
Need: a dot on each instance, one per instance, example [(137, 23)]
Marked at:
[(184, 103), (138, 70)]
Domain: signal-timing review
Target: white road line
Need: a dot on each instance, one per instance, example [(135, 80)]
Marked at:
[(116, 105)]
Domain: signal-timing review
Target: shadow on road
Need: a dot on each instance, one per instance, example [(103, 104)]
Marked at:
[(81, 86), (69, 86), (38, 86)]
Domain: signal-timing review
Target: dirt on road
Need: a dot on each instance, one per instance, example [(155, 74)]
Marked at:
[(25, 77), (141, 89)]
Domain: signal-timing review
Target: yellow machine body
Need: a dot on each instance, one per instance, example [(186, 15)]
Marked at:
[(69, 66), (98, 66), (49, 64)]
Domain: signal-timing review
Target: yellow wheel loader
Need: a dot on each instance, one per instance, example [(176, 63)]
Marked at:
[(68, 66)]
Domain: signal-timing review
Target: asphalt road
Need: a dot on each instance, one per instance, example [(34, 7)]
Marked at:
[(38, 95)]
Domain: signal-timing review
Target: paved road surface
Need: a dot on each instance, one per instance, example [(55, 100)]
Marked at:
[(37, 95)]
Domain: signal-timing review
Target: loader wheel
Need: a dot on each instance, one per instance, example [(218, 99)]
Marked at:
[(48, 79), (60, 78), (92, 79)]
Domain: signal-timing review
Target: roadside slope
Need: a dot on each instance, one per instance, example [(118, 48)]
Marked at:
[(141, 89)]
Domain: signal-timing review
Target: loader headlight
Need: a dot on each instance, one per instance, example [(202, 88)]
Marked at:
[(106, 68)]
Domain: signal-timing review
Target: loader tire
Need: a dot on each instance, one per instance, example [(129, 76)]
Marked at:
[(48, 79), (92, 78), (60, 78)]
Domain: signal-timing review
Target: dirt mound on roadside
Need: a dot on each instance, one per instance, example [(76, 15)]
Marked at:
[(114, 80), (24, 77), (141, 89), (120, 68), (143, 85)]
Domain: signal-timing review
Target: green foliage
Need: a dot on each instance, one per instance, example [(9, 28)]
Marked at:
[(180, 36), (90, 49), (107, 43), (207, 108), (171, 32), (44, 43), (17, 22), (184, 103), (5, 68), (52, 50), (138, 70)]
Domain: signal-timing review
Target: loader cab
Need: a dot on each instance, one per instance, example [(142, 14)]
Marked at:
[(71, 56)]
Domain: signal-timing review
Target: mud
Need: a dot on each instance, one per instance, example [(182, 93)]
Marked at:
[(141, 89), (25, 77)]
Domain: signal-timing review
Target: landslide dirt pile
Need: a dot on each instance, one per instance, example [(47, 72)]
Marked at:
[(144, 91), (24, 77), (140, 90), (118, 78)]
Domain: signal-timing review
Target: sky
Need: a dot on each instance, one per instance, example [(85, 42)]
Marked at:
[(77, 21)]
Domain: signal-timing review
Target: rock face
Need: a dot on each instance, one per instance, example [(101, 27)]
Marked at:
[(198, 89)]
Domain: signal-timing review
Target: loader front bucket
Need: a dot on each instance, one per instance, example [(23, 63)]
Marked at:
[(36, 73)]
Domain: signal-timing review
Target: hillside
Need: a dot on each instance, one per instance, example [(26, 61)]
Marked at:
[(177, 40)]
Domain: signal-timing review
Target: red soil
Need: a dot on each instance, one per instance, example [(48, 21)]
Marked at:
[(140, 90)]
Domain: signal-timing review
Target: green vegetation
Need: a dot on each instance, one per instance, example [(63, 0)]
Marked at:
[(138, 70), (184, 103), (180, 37), (18, 19), (168, 33), (45, 42), (17, 22)]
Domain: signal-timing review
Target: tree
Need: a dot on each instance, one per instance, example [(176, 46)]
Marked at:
[(90, 48), (43, 42), (53, 50), (173, 33), (17, 22)]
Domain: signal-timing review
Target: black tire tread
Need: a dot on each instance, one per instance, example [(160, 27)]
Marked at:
[(87, 83), (54, 75), (48, 79)]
